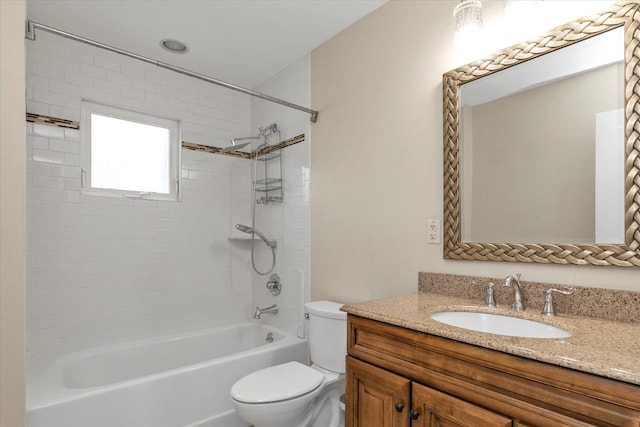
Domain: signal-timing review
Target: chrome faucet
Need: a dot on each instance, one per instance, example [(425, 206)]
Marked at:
[(260, 311), (518, 298), (549, 309), (489, 300)]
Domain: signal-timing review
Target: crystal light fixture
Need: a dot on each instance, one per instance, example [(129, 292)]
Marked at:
[(467, 18)]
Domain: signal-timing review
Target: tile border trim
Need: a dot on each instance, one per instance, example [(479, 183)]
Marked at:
[(70, 124), (52, 121)]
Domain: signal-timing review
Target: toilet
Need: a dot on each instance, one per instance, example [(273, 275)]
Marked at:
[(296, 395)]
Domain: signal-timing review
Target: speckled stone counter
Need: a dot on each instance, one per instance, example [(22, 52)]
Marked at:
[(602, 347)]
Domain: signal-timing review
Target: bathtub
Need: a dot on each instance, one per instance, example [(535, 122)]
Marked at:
[(178, 380)]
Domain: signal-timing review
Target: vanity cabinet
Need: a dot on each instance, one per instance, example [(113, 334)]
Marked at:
[(377, 397), (399, 377), (383, 399)]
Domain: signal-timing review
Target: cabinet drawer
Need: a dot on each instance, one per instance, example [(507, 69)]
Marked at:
[(535, 393)]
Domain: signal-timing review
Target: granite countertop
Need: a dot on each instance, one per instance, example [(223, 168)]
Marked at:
[(597, 346)]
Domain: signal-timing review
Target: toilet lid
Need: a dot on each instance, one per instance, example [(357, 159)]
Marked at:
[(277, 383)]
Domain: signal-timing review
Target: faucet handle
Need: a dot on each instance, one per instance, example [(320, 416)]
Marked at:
[(549, 309), (489, 300)]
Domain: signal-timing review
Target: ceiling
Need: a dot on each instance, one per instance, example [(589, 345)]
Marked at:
[(243, 42)]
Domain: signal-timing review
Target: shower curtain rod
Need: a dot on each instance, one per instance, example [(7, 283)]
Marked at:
[(30, 34)]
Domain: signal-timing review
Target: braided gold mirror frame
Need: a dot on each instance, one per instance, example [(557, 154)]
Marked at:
[(625, 14)]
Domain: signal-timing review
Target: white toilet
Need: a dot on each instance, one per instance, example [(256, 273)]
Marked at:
[(297, 395)]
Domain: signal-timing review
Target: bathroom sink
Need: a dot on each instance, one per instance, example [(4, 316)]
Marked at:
[(499, 324)]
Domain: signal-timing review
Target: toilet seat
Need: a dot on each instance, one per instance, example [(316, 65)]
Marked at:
[(277, 383)]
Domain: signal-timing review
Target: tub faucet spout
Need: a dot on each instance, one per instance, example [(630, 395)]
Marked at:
[(260, 311)]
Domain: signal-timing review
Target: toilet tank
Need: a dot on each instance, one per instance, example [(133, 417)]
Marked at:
[(327, 335)]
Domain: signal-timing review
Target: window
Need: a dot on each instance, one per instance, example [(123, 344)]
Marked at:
[(129, 154)]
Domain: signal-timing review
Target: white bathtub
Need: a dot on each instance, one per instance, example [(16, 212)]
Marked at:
[(170, 381)]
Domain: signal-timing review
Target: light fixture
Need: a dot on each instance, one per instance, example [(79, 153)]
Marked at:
[(174, 46), (467, 18)]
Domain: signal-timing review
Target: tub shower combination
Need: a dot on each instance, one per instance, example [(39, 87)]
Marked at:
[(172, 381), (177, 380)]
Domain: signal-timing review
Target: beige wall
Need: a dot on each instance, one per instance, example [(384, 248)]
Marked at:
[(376, 160), (12, 166)]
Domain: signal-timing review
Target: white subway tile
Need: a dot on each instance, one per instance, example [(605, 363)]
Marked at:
[(48, 156), (47, 182), (45, 70), (71, 159), (34, 107), (43, 233), (132, 68), (34, 168), (64, 146), (58, 196), (93, 71), (72, 184), (93, 95), (79, 53), (133, 93), (77, 78), (141, 83), (35, 81), (106, 87), (65, 113), (108, 63), (49, 97), (184, 95), (72, 135), (119, 78), (72, 196), (61, 87), (67, 64), (164, 90), (156, 75), (38, 194), (155, 99), (55, 170)]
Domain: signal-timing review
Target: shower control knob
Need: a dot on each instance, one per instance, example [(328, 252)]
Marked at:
[(399, 406)]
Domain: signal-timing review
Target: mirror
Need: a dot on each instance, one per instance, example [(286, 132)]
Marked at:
[(542, 148), (540, 142)]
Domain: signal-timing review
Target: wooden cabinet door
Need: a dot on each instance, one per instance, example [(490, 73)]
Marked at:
[(375, 397), (431, 408)]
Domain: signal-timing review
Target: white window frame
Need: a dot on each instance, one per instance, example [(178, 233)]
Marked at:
[(89, 108)]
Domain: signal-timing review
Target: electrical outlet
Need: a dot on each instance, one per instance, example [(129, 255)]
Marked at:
[(433, 231)]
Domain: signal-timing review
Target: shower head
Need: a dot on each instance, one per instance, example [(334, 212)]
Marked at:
[(251, 230), (263, 132), (234, 146), (244, 228)]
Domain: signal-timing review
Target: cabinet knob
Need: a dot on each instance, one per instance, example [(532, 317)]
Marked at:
[(399, 406), (415, 414)]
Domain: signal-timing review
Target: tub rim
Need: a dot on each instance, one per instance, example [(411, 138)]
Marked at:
[(45, 384)]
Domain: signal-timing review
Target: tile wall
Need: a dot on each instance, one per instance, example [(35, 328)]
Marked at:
[(104, 270)]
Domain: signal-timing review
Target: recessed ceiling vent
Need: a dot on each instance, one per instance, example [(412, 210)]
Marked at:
[(174, 46)]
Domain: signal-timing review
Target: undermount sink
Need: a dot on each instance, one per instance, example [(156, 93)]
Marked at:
[(499, 324)]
